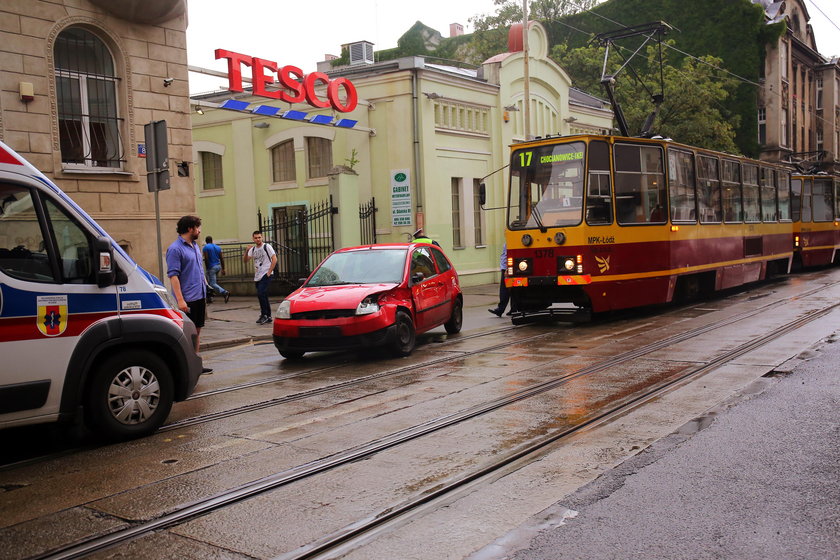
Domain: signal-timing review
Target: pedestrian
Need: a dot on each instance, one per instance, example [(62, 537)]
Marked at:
[(504, 293), (265, 259), (214, 260), (184, 269), (420, 237)]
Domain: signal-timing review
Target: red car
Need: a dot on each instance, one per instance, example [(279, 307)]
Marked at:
[(374, 295)]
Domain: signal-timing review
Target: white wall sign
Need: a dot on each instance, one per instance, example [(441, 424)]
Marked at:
[(400, 197)]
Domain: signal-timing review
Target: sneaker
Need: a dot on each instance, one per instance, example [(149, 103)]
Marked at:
[(227, 296), (260, 320), (266, 319), (206, 371), (495, 312)]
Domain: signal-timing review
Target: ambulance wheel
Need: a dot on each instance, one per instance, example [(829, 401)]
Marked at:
[(129, 396)]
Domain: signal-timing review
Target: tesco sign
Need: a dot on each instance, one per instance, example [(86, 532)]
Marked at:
[(296, 87)]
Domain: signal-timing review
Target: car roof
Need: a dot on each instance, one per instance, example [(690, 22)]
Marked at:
[(380, 246)]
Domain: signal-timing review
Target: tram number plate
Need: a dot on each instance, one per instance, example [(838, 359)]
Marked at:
[(542, 253)]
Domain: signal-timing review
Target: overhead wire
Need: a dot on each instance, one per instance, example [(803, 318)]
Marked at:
[(778, 94)]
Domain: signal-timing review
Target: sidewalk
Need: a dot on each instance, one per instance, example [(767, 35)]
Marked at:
[(233, 323)]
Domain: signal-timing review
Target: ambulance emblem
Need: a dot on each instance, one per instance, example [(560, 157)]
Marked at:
[(52, 315)]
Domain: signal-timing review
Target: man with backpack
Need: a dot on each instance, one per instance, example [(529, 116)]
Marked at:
[(265, 259)]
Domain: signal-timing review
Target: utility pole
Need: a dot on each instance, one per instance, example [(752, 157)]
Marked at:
[(526, 115)]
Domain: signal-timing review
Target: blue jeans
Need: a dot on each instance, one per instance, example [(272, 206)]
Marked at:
[(262, 295), (212, 272)]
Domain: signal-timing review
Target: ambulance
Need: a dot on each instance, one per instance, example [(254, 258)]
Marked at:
[(85, 333)]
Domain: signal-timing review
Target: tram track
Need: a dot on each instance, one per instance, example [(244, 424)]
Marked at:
[(359, 529)]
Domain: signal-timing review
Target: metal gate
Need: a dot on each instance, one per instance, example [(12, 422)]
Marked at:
[(301, 239), (367, 222)]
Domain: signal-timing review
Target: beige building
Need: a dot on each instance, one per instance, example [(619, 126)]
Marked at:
[(80, 79), (799, 102), (427, 135)]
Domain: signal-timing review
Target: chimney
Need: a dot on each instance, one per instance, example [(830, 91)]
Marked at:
[(456, 29)]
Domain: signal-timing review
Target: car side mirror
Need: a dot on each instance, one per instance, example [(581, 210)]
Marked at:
[(105, 274), (482, 194), (418, 277)]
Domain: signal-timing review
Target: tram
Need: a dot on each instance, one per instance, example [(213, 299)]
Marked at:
[(606, 222), (816, 219)]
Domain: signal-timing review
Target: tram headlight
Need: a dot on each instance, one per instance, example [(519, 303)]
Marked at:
[(569, 263), (527, 240), (522, 266)]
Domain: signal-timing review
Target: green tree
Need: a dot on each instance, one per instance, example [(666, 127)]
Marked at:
[(693, 111), (491, 30)]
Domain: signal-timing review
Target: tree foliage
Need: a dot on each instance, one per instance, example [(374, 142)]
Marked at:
[(695, 92), (491, 30)]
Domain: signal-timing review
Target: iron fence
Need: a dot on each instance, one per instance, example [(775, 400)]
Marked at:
[(367, 221)]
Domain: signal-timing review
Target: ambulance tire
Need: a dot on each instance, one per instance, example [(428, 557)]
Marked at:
[(129, 396)]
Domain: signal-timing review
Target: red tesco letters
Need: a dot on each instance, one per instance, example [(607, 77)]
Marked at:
[(296, 86)]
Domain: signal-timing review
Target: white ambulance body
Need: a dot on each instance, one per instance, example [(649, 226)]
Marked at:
[(83, 329)]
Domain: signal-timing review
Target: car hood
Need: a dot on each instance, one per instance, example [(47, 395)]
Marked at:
[(334, 297)]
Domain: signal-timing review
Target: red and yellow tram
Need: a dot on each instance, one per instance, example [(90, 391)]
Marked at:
[(816, 219), (612, 222)]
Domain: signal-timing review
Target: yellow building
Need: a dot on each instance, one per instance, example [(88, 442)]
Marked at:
[(426, 135), (80, 80)]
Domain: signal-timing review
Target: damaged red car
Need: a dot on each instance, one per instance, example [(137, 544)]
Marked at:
[(374, 295)]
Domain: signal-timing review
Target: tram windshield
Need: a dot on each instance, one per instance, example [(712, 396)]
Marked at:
[(546, 186)]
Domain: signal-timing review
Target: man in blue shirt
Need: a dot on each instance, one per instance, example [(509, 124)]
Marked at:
[(215, 263), (186, 275)]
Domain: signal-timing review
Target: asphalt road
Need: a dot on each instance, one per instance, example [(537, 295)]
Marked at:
[(756, 478)]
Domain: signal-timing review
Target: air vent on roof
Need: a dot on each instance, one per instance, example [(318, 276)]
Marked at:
[(361, 53)]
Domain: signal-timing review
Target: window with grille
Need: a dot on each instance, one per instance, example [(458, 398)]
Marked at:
[(457, 240), (283, 162), (478, 214), (211, 171), (318, 156), (86, 91)]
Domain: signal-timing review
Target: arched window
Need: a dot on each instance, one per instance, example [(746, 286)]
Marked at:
[(318, 157), (86, 86), (283, 162)]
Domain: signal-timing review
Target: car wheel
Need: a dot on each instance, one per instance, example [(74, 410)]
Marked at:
[(456, 320), (404, 338), (292, 354), (130, 395)]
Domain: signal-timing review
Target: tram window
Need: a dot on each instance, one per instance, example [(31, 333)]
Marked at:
[(752, 209), (681, 175), (768, 194), (784, 196), (806, 201), (796, 199), (731, 185), (708, 190), (821, 200), (837, 198), (599, 195), (640, 183)]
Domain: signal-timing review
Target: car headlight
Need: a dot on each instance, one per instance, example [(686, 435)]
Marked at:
[(284, 310), (367, 306)]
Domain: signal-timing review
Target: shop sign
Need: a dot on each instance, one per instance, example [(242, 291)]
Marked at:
[(295, 86), (400, 197)]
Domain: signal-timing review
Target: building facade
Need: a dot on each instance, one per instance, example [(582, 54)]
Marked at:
[(799, 101), (427, 135), (80, 79)]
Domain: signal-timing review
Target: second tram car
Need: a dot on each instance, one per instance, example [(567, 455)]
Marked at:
[(816, 219), (612, 222)]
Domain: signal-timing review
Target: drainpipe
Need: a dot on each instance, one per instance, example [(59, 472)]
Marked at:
[(416, 134)]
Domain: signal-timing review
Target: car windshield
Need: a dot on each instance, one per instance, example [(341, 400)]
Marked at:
[(369, 266)]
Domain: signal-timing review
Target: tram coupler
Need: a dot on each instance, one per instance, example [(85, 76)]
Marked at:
[(578, 315)]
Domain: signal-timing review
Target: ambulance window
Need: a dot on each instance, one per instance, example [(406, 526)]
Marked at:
[(23, 253), (74, 246)]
